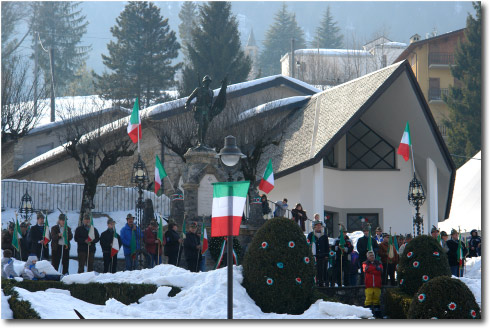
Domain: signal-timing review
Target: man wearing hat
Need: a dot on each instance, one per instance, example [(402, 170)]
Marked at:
[(452, 254), (86, 247), (320, 247), (389, 263), (106, 242), (379, 235), (7, 235), (444, 238), (434, 232), (362, 247), (126, 235), (192, 248), (342, 259), (152, 244), (59, 246), (36, 237)]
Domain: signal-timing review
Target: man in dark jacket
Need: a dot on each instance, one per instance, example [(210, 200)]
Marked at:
[(36, 237), (452, 254), (474, 244), (362, 245), (86, 246), (320, 249), (192, 248), (342, 259), (106, 242), (173, 244), (24, 243), (389, 263), (7, 235), (59, 246), (152, 244)]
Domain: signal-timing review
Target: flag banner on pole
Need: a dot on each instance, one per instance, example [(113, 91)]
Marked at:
[(370, 243), (342, 240), (91, 231), (235, 258), (395, 241), (221, 253), (391, 249), (46, 233), (405, 143), (460, 253), (134, 126), (65, 233), (160, 231), (115, 244), (17, 235), (228, 203), (267, 182), (133, 242), (159, 174), (204, 239), (313, 243)]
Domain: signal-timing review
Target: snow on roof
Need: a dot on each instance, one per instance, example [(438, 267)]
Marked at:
[(395, 44), (271, 105), (334, 52)]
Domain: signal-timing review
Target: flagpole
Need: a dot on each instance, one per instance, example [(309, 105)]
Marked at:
[(229, 259), (88, 253), (413, 164), (139, 125), (171, 184)]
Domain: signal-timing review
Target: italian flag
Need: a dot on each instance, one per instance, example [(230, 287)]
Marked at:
[(66, 242), (159, 174), (460, 253), (204, 239), (91, 231), (228, 203), (115, 244), (405, 144), (46, 233), (17, 235), (391, 249), (160, 232), (267, 182), (134, 126)]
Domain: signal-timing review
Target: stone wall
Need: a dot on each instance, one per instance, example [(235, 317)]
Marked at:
[(8, 158)]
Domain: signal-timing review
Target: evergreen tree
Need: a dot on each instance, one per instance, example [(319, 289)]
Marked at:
[(278, 41), (187, 15), (328, 33), (140, 58), (464, 124), (59, 25), (215, 48)]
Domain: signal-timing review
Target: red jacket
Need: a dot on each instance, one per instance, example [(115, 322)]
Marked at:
[(372, 272), (150, 245)]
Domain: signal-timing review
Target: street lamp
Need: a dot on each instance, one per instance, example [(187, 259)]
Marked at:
[(26, 207), (139, 177), (230, 154), (416, 198)]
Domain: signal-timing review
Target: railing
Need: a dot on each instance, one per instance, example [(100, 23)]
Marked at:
[(437, 93), (443, 130), (441, 58), (68, 197)]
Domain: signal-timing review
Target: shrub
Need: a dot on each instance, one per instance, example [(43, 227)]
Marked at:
[(422, 261), (278, 268), (20, 309), (444, 298), (396, 303), (215, 245)]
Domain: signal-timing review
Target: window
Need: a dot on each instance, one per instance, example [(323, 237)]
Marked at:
[(329, 159), (355, 221), (367, 150), (43, 148)]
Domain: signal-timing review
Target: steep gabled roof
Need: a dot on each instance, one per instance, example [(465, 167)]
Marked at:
[(251, 40)]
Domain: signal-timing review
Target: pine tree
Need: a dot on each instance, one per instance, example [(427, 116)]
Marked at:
[(464, 124), (140, 58), (278, 41), (60, 26), (328, 33), (215, 48), (187, 15)]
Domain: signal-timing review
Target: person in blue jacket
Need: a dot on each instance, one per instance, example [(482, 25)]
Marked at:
[(126, 235)]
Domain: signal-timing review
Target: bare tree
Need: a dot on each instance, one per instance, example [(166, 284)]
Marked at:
[(95, 141)]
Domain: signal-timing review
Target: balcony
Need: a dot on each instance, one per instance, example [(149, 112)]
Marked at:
[(435, 94), (440, 59)]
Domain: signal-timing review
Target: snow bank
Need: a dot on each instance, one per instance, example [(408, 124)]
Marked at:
[(344, 311), (6, 311), (472, 277)]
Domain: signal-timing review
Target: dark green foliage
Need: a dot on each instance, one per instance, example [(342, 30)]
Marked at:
[(439, 294), (396, 303), (278, 41), (140, 58), (423, 249), (215, 244), (214, 49), (284, 295), (464, 124), (328, 33), (20, 309), (59, 25)]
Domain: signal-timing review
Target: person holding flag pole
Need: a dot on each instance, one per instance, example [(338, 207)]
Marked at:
[(110, 243), (205, 245), (61, 235), (161, 239), (35, 237), (86, 236), (343, 247), (16, 237), (182, 238)]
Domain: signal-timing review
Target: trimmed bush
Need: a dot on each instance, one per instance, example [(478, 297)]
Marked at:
[(422, 260), (444, 298), (278, 268), (20, 309), (396, 303), (215, 245)]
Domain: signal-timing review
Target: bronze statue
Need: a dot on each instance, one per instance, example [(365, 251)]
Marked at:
[(204, 109)]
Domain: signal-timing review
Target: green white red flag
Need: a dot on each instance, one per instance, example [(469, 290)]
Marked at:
[(46, 233), (17, 235), (460, 253), (115, 244), (66, 242), (91, 231), (405, 144), (267, 182), (160, 232), (391, 249), (134, 126), (228, 202), (204, 239), (159, 174)]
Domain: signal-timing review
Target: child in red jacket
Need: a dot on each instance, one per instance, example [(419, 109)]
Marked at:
[(372, 269)]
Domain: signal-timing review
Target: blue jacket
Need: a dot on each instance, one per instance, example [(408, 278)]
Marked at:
[(125, 234)]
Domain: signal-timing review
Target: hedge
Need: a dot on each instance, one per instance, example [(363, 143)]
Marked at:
[(396, 303)]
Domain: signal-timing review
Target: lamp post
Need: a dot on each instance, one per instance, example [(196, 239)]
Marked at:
[(139, 177), (416, 198), (230, 154), (26, 207)]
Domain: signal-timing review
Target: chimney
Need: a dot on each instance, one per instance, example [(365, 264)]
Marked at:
[(414, 38)]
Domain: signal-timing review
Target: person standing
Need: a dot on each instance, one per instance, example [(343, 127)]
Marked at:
[(389, 263), (320, 251), (281, 208), (36, 238), (379, 235), (8, 265), (266, 210), (362, 248), (299, 216), (24, 243), (474, 244), (452, 254), (126, 235), (86, 247), (173, 243), (152, 244), (192, 248), (106, 243), (342, 259), (7, 236), (444, 238), (434, 232), (372, 269), (60, 247), (408, 238)]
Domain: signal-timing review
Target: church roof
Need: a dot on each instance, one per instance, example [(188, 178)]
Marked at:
[(251, 39)]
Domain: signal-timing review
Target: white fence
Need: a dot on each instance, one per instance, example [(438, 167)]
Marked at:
[(68, 197)]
